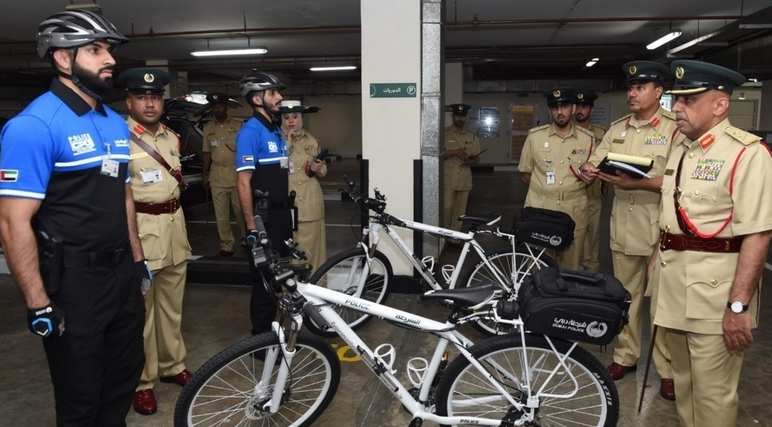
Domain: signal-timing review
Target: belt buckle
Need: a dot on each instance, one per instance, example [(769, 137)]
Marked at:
[(174, 204), (662, 234)]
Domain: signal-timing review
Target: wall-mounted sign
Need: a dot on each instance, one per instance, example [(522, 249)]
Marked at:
[(393, 90)]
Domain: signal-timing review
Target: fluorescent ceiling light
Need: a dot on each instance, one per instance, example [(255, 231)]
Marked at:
[(755, 26), (672, 35), (344, 67), (591, 62), (228, 52)]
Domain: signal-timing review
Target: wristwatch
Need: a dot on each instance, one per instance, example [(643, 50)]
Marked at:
[(737, 307)]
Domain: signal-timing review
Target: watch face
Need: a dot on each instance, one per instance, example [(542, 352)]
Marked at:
[(737, 307)]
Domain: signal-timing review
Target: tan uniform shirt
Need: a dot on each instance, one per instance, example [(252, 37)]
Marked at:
[(635, 212), (554, 161), (593, 191), (220, 141), (458, 176), (308, 198), (727, 179), (164, 237)]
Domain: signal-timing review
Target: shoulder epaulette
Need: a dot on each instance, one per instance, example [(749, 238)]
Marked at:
[(621, 119), (742, 136), (538, 128), (669, 114), (586, 131)]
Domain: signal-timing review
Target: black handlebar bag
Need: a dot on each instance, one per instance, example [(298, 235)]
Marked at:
[(574, 305), (544, 227)]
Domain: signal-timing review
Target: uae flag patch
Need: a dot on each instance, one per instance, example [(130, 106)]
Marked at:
[(247, 159), (9, 175)]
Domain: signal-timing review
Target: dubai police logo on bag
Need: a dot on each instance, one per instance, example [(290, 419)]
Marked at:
[(149, 78), (596, 329)]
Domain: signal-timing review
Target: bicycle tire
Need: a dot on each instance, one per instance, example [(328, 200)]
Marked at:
[(342, 272), (227, 390), (596, 402), (506, 261)]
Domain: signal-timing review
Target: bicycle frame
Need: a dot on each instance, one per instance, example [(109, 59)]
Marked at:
[(322, 298), (373, 232)]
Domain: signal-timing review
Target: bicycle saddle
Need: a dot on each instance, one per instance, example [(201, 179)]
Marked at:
[(487, 219), (465, 297)]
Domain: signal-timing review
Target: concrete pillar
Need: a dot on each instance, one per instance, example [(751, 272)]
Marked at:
[(432, 108), (391, 125)]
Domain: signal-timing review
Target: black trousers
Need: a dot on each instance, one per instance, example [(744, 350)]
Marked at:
[(96, 364), (262, 304)]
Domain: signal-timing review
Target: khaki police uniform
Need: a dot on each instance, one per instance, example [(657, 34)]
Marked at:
[(458, 176), (553, 162), (165, 244), (220, 142), (310, 235), (634, 224), (594, 204), (725, 176)]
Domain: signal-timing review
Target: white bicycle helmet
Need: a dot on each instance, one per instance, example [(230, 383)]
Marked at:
[(74, 28)]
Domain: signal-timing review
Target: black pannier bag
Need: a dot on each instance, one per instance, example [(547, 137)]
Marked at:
[(544, 227), (574, 305)]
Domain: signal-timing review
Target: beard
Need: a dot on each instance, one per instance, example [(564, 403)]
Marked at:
[(220, 115), (459, 123), (91, 80)]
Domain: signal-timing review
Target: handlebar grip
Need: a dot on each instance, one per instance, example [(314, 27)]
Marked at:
[(261, 232), (348, 181)]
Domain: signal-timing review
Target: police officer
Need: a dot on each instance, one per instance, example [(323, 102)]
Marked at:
[(219, 163), (156, 183), (262, 163), (647, 132), (63, 179), (715, 234), (461, 151), (304, 168), (550, 164), (585, 102)]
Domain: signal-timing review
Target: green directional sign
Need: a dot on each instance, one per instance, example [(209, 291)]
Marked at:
[(393, 90)]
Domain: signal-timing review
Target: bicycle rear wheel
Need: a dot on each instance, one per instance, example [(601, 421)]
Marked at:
[(513, 266), (348, 272), (228, 389), (464, 391)]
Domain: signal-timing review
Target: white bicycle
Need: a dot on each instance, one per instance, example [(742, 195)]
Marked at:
[(288, 377), (365, 272)]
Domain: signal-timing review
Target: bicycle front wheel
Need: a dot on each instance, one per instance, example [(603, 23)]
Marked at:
[(349, 272), (464, 391), (510, 266), (231, 388)]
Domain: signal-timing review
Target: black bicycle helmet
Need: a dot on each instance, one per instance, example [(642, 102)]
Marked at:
[(74, 28), (258, 82)]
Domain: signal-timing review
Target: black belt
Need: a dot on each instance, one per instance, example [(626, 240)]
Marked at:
[(95, 259)]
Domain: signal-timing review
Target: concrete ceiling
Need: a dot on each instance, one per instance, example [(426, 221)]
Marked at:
[(495, 39)]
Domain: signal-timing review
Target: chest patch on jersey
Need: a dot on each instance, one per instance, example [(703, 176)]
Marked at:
[(273, 147), (121, 142), (708, 169), (81, 144), (655, 139), (9, 175)]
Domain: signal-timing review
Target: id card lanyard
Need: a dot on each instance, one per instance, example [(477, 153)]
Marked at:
[(109, 165)]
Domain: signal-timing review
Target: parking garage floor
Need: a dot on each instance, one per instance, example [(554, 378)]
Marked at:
[(216, 315)]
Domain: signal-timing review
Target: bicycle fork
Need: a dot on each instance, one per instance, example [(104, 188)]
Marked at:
[(287, 348)]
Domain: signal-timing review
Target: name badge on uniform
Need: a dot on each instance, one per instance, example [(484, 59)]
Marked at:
[(618, 141), (669, 172), (550, 177), (151, 176), (291, 167), (215, 143), (110, 167)]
